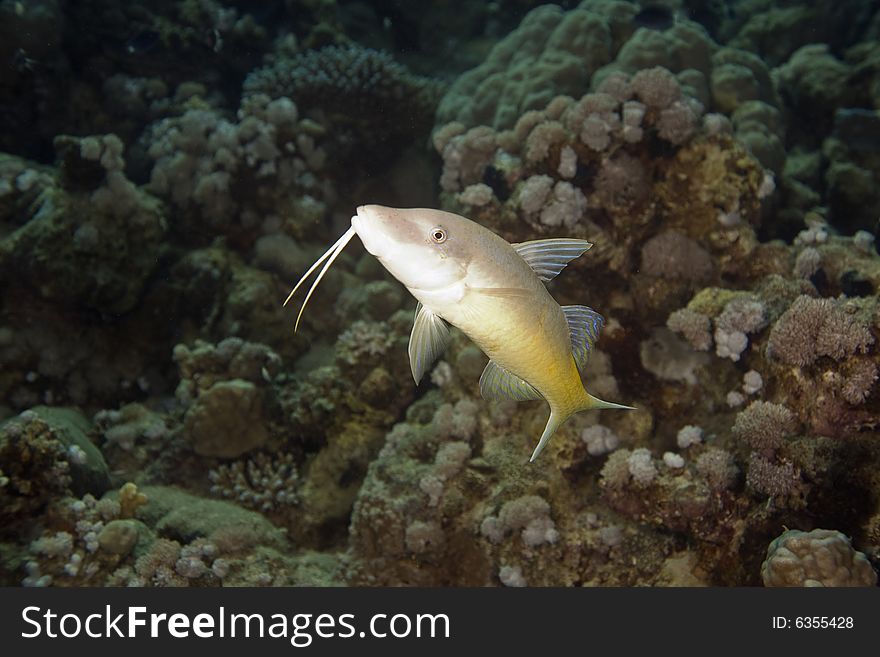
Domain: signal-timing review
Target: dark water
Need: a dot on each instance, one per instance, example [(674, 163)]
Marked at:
[(169, 170)]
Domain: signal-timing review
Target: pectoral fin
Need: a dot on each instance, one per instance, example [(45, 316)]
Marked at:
[(549, 257), (427, 342), (498, 384), (584, 325)]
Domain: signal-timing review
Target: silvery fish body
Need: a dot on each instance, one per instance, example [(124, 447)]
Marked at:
[(465, 275)]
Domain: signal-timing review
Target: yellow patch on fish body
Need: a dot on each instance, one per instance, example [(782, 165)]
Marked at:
[(536, 327), (526, 334), (465, 275)]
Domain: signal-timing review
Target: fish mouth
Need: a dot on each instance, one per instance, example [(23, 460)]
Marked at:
[(359, 214), (369, 224), (362, 214), (356, 223), (366, 213), (361, 218), (359, 223)]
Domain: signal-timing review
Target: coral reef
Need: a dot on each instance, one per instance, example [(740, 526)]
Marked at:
[(45, 453), (262, 483), (551, 53), (621, 175), (357, 90), (817, 558), (228, 396), (220, 173), (168, 169), (114, 229)]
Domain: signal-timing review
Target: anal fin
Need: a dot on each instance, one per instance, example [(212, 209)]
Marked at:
[(498, 384)]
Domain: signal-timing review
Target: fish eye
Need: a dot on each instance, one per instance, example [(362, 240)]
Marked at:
[(438, 234)]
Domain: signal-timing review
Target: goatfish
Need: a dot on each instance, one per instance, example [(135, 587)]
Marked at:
[(463, 274)]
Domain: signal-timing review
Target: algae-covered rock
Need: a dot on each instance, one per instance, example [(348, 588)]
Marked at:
[(334, 477), (814, 82), (88, 470), (121, 536), (184, 517), (317, 569), (45, 456), (227, 420), (852, 194)]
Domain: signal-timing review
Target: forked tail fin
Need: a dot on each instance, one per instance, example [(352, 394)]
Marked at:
[(553, 423), (594, 403), (557, 418)]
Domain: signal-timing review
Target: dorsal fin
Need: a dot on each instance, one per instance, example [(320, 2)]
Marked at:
[(498, 384), (584, 325), (427, 342), (549, 257)]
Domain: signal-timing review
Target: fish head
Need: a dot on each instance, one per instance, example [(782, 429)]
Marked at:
[(424, 249)]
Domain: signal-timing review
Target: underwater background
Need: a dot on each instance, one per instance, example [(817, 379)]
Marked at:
[(168, 169)]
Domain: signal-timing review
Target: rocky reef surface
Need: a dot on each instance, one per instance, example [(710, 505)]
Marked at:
[(172, 167)]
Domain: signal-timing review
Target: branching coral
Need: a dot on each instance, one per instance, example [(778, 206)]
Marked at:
[(776, 478), (169, 564), (764, 425), (718, 468), (93, 536), (264, 482), (816, 328)]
